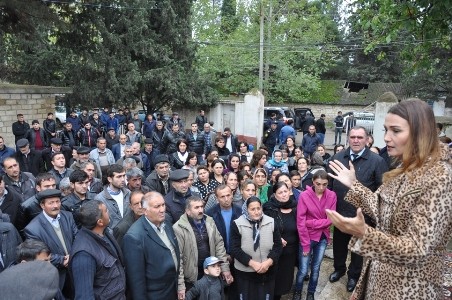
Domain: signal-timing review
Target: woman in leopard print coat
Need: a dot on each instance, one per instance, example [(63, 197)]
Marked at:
[(412, 210)]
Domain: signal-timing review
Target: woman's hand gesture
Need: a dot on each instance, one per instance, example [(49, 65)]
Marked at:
[(346, 176)]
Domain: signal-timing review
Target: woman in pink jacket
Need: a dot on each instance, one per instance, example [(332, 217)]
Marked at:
[(313, 230)]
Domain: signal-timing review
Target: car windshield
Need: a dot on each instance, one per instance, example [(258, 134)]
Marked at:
[(60, 109), (289, 113)]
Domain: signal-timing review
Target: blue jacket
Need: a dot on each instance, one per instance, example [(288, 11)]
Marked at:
[(113, 123), (6, 152), (310, 143), (116, 150), (285, 132), (75, 123), (94, 155), (104, 118), (148, 128)]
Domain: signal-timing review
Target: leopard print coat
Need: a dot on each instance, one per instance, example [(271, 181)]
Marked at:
[(404, 253)]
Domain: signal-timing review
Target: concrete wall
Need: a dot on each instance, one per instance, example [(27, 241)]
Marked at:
[(34, 102)]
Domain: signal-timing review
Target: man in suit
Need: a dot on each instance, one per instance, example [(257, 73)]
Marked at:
[(136, 211), (152, 254), (118, 149), (57, 230)]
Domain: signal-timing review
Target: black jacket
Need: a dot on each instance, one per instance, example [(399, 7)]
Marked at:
[(27, 185), (175, 204), (32, 163), (47, 156), (157, 138), (198, 145), (154, 183), (88, 139), (72, 203), (66, 138), (9, 240), (49, 127), (120, 230), (169, 141), (320, 126), (11, 205), (20, 130), (28, 210), (369, 169), (200, 121)]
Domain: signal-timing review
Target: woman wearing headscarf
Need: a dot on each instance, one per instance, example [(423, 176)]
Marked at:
[(276, 162), (282, 208), (256, 247)]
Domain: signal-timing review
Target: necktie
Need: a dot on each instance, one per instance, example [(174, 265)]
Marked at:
[(354, 156)]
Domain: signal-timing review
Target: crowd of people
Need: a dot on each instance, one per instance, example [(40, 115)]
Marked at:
[(125, 209)]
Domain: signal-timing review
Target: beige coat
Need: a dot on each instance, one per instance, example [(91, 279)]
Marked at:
[(404, 253), (189, 251)]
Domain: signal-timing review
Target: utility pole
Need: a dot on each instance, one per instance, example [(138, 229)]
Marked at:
[(261, 50), (269, 38)]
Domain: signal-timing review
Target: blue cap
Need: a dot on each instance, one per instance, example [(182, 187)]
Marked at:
[(211, 260)]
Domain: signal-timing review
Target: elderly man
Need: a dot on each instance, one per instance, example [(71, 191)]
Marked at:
[(101, 155), (152, 254), (83, 157), (112, 138), (29, 160), (198, 238), (22, 182), (97, 264), (209, 138), (56, 145), (136, 211), (158, 180), (134, 180), (95, 184), (57, 230), (9, 201), (176, 199), (115, 195)]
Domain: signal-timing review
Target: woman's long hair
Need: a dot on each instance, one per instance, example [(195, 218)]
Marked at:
[(422, 145)]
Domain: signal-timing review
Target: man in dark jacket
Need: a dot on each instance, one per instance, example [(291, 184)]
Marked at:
[(49, 126), (152, 254), (112, 138), (159, 179), (9, 201), (22, 182), (320, 128), (175, 119), (69, 136), (310, 142), (157, 136), (176, 198), (196, 142), (30, 208), (95, 248), (201, 119), (369, 169), (29, 160), (230, 140), (149, 126), (224, 220), (308, 121), (88, 136), (9, 240), (5, 151), (56, 145), (270, 138), (136, 211), (74, 120), (20, 128), (36, 136), (149, 152), (170, 139), (57, 230)]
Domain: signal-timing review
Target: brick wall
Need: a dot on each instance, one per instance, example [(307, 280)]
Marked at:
[(34, 102)]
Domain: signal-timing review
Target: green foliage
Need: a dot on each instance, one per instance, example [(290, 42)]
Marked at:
[(296, 48), (125, 53)]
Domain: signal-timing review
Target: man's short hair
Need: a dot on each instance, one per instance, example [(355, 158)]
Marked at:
[(20, 115), (65, 184), (89, 213), (43, 177), (134, 172), (114, 168), (83, 165), (78, 176), (28, 250), (55, 154), (50, 114), (220, 188), (101, 139), (129, 161), (192, 199)]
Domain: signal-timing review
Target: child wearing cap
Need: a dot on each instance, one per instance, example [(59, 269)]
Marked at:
[(210, 286)]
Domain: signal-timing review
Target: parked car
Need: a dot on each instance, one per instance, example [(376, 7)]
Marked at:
[(60, 115), (363, 118), (284, 113), (300, 113)]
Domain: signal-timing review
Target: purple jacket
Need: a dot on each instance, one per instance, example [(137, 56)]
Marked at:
[(311, 216)]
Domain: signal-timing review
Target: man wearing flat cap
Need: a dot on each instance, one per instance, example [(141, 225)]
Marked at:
[(29, 160), (175, 200), (57, 230), (83, 157), (56, 145), (111, 137), (158, 180)]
